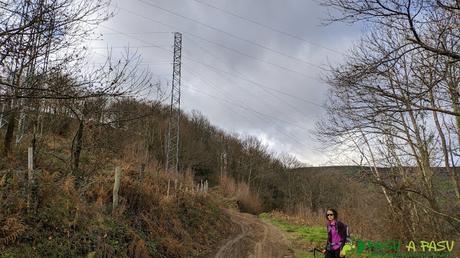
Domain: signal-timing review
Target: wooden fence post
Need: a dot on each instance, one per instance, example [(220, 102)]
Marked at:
[(141, 171), (30, 163), (167, 192), (116, 187), (30, 175)]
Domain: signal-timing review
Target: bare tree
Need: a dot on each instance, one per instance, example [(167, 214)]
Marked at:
[(420, 23), (38, 37), (387, 104)]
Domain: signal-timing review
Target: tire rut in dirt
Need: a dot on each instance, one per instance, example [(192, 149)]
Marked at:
[(255, 239)]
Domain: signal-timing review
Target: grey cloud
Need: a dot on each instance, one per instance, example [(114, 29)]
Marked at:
[(278, 117)]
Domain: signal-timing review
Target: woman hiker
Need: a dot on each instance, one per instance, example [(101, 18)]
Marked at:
[(337, 235)]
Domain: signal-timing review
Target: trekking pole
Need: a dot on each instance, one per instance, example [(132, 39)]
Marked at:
[(314, 250)]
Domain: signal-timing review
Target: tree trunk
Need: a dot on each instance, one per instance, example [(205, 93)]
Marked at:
[(450, 169), (77, 146), (455, 107), (7, 147)]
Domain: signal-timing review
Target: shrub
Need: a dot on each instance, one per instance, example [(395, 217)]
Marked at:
[(247, 201)]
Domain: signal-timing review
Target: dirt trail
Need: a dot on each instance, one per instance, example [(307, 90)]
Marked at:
[(255, 239)]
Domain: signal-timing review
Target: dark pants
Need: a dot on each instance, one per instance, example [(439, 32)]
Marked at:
[(333, 254)]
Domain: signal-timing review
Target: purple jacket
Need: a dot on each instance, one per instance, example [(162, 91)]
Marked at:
[(342, 230)]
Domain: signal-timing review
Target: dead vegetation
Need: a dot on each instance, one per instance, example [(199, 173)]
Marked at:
[(246, 200), (67, 218)]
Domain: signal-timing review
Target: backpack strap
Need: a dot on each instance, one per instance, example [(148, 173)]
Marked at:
[(347, 234)]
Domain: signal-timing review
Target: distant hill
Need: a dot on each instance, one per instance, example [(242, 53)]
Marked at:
[(329, 169), (350, 170)]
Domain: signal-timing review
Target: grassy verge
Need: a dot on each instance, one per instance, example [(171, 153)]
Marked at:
[(302, 237)]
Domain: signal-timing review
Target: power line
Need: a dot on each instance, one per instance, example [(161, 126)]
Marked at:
[(233, 102), (145, 64), (226, 72), (249, 56), (268, 27), (245, 108), (202, 78), (294, 108), (230, 34), (240, 75), (241, 106), (244, 115), (232, 106), (139, 33), (226, 47), (127, 47), (245, 105), (254, 82), (272, 117), (208, 82), (156, 63), (265, 88)]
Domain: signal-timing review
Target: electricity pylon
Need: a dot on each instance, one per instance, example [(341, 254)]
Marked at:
[(172, 148)]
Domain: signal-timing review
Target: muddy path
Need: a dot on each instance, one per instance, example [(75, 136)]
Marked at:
[(255, 239)]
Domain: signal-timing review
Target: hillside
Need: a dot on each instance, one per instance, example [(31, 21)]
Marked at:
[(62, 216), (66, 207)]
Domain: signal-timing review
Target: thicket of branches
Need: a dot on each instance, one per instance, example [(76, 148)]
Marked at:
[(395, 103), (44, 69)]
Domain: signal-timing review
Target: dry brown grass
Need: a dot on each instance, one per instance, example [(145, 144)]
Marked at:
[(359, 211), (247, 201), (159, 214), (301, 216), (75, 219), (170, 208), (228, 186)]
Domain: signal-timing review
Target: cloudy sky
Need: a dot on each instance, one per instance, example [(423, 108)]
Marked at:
[(251, 67)]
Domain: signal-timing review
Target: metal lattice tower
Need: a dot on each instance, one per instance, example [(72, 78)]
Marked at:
[(172, 148)]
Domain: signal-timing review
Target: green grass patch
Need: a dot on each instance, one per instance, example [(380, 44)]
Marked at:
[(302, 237), (315, 236)]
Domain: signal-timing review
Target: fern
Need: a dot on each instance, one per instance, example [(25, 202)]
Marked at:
[(11, 229)]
